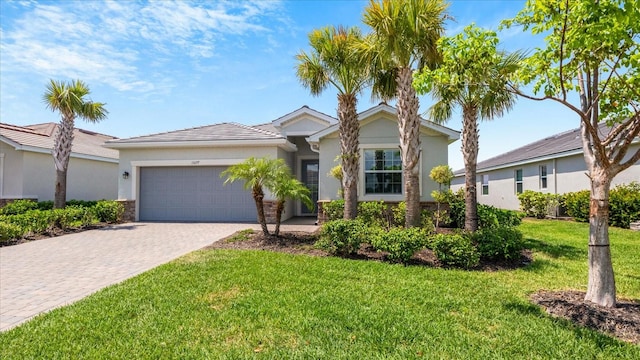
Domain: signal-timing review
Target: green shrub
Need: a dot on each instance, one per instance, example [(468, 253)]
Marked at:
[(45, 205), (109, 211), (537, 204), (373, 213), (10, 231), (491, 216), (577, 205), (499, 243), (334, 209), (73, 217), (400, 243), (32, 221), (427, 222), (82, 203), (342, 237), (456, 207), (399, 213), (18, 207), (455, 250), (624, 205)]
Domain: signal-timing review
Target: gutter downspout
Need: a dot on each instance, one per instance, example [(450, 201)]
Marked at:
[(555, 184)]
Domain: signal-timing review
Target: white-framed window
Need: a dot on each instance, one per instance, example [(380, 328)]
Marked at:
[(543, 176), (485, 184), (382, 171), (518, 181)]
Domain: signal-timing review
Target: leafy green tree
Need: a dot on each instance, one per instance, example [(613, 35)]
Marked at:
[(333, 61), (284, 187), (403, 40), (257, 174), (442, 174), (592, 50), (70, 99), (474, 76)]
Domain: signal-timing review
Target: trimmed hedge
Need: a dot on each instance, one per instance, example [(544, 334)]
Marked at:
[(26, 219), (400, 243), (342, 237), (624, 205), (455, 250)]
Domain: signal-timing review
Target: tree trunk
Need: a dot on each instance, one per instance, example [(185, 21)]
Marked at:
[(279, 211), (258, 196), (470, 155), (62, 145), (601, 288), (349, 146), (60, 195), (409, 127)]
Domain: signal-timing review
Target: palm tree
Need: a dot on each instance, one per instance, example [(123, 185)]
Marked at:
[(257, 173), (69, 99), (404, 40), (284, 187), (474, 76), (333, 61)]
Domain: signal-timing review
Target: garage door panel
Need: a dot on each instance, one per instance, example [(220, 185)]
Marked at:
[(192, 194)]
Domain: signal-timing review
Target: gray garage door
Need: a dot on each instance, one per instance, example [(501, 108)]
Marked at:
[(193, 193)]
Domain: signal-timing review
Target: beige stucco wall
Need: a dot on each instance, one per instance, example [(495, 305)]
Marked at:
[(132, 159), (12, 176), (28, 174), (303, 123), (566, 174), (381, 132)]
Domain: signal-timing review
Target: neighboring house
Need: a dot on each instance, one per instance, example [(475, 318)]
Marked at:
[(552, 165), (175, 176), (27, 170)]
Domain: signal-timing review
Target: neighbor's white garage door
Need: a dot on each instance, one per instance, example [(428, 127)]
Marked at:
[(193, 193)]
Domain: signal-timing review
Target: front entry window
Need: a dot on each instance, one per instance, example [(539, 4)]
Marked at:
[(310, 178), (382, 172)]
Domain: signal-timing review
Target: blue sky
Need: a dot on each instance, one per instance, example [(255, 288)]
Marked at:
[(163, 65)]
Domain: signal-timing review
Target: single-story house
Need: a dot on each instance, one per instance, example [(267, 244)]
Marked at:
[(27, 170), (552, 165), (175, 176)]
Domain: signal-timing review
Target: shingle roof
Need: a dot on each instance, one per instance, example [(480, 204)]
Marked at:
[(568, 141), (216, 132), (41, 136)]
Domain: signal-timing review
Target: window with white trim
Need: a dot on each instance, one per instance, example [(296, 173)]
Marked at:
[(382, 172), (543, 176), (485, 184), (518, 181)]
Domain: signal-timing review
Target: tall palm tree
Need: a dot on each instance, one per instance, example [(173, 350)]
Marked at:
[(404, 40), (257, 174), (333, 61), (70, 100), (286, 187), (474, 76)]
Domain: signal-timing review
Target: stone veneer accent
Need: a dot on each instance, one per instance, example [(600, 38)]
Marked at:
[(322, 216), (129, 210)]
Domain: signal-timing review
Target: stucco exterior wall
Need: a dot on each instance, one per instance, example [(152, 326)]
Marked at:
[(12, 172), (381, 132), (132, 159), (565, 174), (304, 124), (86, 179)]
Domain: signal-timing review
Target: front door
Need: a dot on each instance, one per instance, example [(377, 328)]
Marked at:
[(309, 177)]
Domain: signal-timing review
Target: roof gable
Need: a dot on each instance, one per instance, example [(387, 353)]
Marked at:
[(390, 113), (304, 113)]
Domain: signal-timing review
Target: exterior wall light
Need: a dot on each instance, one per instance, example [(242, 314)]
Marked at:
[(125, 175)]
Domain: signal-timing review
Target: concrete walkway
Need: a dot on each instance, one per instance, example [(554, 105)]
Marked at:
[(38, 276)]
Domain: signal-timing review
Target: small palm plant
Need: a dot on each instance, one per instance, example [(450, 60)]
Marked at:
[(257, 173), (286, 187)]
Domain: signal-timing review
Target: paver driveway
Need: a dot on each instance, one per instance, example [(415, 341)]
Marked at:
[(41, 275)]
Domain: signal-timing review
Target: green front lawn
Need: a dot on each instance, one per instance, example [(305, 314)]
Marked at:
[(257, 304)]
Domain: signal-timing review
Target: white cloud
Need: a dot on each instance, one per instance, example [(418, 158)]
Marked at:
[(120, 43)]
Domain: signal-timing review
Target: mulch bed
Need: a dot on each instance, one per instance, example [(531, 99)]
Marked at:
[(622, 322)]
